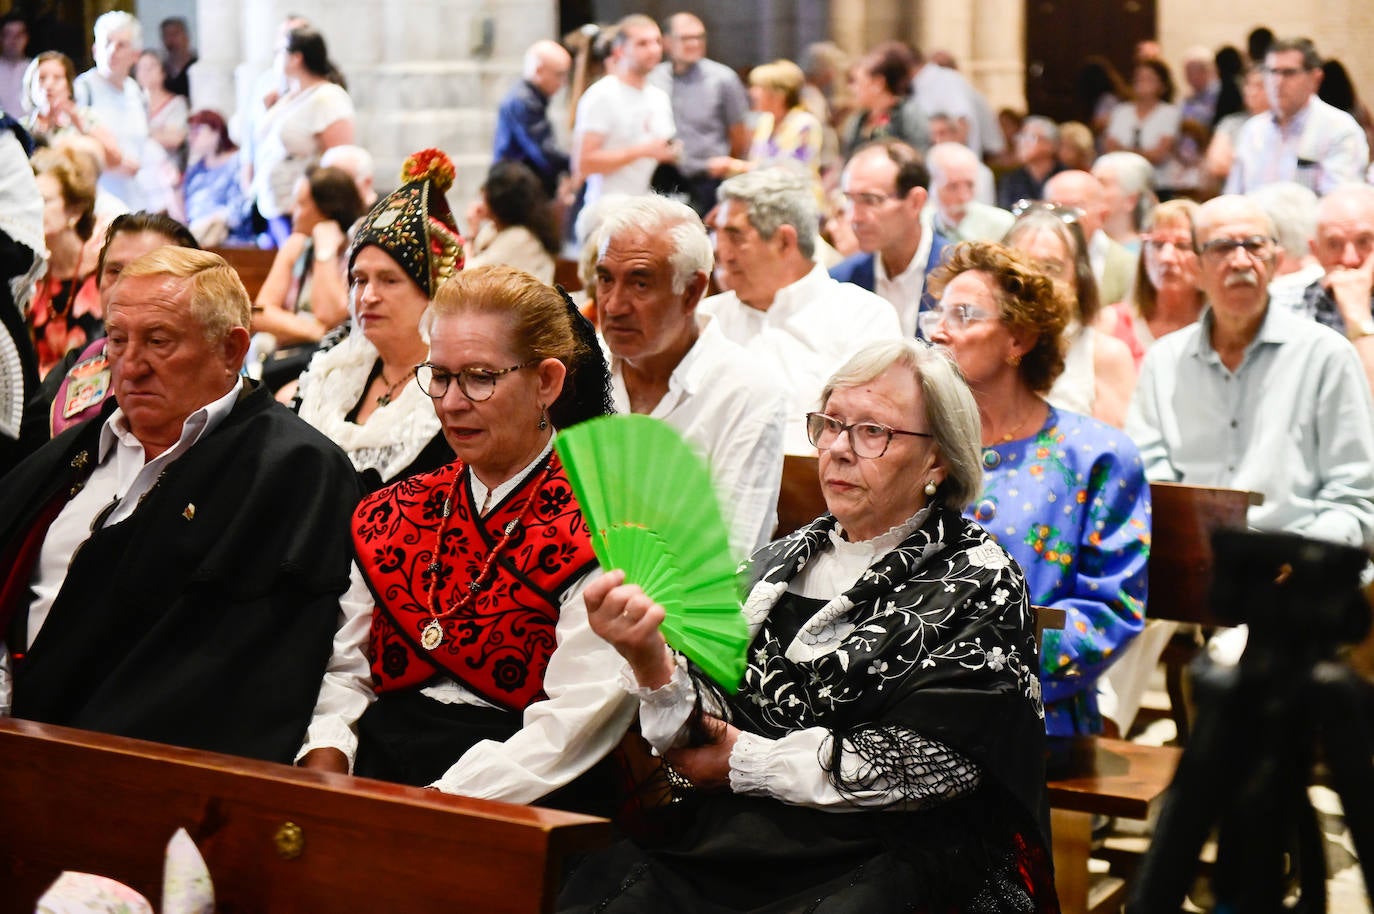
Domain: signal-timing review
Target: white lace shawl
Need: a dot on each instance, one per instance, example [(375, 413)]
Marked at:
[(394, 435)]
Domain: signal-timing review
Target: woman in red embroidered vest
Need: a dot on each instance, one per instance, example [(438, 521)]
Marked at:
[(488, 680)]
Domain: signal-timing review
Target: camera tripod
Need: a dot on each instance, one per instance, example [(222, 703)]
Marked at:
[(1261, 727)]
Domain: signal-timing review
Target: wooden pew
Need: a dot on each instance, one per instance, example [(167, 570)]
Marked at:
[(565, 274), (1108, 777), (799, 500), (1184, 517), (275, 838), (252, 264)]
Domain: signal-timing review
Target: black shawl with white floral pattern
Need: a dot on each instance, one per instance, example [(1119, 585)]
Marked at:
[(936, 638)]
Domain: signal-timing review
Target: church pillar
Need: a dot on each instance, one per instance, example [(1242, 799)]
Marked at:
[(996, 56), (420, 72)]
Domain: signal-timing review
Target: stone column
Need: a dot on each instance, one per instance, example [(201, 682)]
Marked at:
[(220, 49), (997, 51), (420, 72)]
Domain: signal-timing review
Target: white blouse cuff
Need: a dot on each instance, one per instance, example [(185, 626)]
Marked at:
[(664, 711), (750, 761)]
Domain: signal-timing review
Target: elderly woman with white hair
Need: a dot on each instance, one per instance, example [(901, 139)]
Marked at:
[(115, 103), (891, 677), (1127, 181)]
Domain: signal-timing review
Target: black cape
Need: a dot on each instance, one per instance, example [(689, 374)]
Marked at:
[(206, 618)]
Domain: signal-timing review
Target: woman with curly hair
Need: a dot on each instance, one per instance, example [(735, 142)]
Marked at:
[(1063, 493)]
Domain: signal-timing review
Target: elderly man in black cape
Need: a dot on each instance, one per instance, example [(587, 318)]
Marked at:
[(172, 570)]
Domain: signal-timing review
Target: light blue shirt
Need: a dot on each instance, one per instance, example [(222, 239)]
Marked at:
[(1320, 148), (1294, 422)]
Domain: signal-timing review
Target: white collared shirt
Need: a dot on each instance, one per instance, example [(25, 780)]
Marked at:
[(1294, 422), (811, 327), (903, 291), (735, 414), (1321, 147), (122, 482)]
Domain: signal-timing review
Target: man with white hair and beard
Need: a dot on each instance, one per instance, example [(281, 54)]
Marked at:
[(953, 211), (1253, 397)]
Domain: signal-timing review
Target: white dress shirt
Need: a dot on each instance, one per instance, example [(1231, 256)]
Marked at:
[(811, 327), (904, 290), (1321, 147), (734, 413)]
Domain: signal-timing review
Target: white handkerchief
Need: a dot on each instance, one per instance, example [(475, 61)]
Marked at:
[(85, 893), (186, 885)]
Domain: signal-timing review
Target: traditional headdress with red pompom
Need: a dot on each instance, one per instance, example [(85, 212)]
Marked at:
[(415, 225)]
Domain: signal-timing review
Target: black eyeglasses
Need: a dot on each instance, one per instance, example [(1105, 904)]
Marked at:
[(1067, 214), (1257, 247), (867, 439), (477, 384)]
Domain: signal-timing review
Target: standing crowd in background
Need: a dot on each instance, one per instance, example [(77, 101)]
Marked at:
[(991, 332)]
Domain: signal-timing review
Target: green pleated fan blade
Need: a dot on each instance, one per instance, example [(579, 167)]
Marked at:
[(648, 500)]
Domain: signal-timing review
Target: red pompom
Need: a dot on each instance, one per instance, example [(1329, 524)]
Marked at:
[(432, 164)]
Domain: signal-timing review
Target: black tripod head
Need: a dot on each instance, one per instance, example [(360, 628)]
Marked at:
[(1300, 597)]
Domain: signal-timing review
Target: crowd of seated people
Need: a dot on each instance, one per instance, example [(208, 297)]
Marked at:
[(990, 333)]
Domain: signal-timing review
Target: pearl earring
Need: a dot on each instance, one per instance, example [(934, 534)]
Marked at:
[(931, 488)]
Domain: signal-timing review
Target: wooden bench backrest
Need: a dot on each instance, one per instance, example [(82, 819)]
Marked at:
[(1184, 518), (252, 265), (101, 804), (1180, 571), (799, 500), (565, 274)]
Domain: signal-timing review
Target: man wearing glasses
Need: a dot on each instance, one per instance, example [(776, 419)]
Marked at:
[(1253, 397), (1301, 138), (885, 189), (710, 108)]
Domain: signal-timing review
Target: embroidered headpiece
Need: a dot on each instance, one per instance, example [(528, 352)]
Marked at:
[(415, 225)]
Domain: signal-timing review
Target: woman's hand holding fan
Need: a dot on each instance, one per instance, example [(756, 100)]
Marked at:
[(652, 513), (627, 619)]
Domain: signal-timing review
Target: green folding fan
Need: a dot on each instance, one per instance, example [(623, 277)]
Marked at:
[(652, 511)]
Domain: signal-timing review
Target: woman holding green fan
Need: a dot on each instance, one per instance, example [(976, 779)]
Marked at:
[(485, 678), (891, 676)]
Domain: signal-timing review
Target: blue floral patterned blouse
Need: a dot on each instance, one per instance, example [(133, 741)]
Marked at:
[(1072, 506)]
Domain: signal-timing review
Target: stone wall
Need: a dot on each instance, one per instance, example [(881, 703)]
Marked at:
[(421, 72)]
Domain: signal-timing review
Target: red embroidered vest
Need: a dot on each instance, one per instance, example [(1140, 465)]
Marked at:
[(499, 644)]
